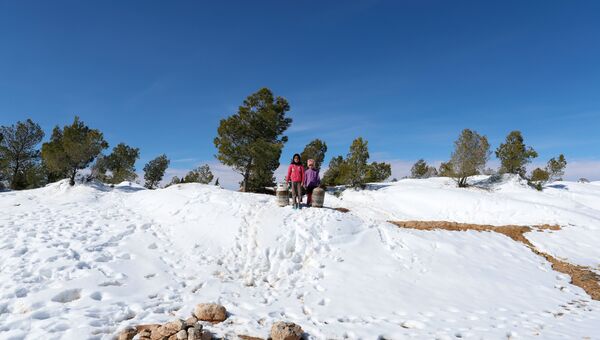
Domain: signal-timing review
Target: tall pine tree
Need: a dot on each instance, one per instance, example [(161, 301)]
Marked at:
[(251, 140), (72, 148)]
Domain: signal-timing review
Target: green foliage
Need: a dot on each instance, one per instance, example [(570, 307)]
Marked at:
[(333, 175), (202, 174), (18, 153), (446, 169), (121, 163), (556, 168), (378, 172), (471, 153), (316, 150), (155, 170), (514, 154), (174, 180), (421, 170), (539, 177), (354, 170), (356, 162), (251, 140), (71, 149)]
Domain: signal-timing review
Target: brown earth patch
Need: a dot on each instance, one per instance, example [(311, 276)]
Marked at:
[(344, 210), (581, 276)]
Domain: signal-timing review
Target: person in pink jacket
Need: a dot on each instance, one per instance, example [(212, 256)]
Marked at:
[(295, 175)]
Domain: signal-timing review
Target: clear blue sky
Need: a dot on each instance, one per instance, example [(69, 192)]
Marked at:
[(406, 75)]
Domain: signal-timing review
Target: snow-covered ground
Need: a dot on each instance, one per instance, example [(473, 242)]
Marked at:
[(84, 262)]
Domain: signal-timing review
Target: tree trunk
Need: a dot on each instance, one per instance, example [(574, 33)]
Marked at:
[(13, 180), (72, 179)]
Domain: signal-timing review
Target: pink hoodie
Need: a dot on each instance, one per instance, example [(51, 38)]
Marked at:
[(295, 173)]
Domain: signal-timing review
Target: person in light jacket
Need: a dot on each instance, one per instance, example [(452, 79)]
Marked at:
[(295, 175), (311, 180)]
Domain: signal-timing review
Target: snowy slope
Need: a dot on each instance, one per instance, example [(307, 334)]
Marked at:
[(85, 261)]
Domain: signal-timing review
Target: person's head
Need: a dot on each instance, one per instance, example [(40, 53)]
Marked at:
[(296, 159), (311, 163)]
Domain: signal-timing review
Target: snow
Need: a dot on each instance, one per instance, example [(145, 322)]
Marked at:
[(86, 261)]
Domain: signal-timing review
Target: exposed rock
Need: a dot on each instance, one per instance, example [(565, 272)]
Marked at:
[(248, 337), (190, 322), (286, 331), (182, 335), (127, 334), (171, 328), (210, 312)]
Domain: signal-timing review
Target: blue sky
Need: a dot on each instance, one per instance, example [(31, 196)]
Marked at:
[(406, 75)]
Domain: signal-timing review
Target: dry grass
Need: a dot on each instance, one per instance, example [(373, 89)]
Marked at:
[(581, 276)]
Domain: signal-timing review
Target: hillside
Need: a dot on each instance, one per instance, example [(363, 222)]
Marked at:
[(86, 261)]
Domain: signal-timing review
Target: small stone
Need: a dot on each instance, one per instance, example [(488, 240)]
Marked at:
[(127, 333), (182, 335), (286, 331), (210, 312), (171, 328), (190, 322), (194, 334), (206, 335)]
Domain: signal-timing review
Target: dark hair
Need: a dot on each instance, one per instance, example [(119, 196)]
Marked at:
[(299, 159)]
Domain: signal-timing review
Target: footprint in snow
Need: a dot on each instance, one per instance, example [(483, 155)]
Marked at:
[(67, 295)]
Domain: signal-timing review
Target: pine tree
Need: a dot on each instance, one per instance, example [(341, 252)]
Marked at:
[(72, 148), (357, 162), (419, 169), (251, 140), (556, 168), (539, 177), (121, 163), (154, 171), (202, 174), (446, 170), (18, 152), (334, 173), (471, 153), (316, 150), (378, 172), (514, 154)]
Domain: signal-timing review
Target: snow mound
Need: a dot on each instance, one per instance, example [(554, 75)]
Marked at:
[(89, 260)]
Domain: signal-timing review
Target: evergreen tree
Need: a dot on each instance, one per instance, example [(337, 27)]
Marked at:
[(18, 152), (316, 150), (419, 169), (431, 172), (3, 165), (174, 180), (378, 172), (514, 154), (72, 148), (155, 170), (471, 153), (121, 163), (251, 140), (556, 168), (539, 177), (446, 169), (334, 173), (357, 162), (202, 174)]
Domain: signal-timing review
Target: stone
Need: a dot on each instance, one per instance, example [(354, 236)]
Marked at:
[(127, 334), (190, 322), (171, 328), (182, 335), (286, 331), (206, 335), (194, 333), (210, 312)]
